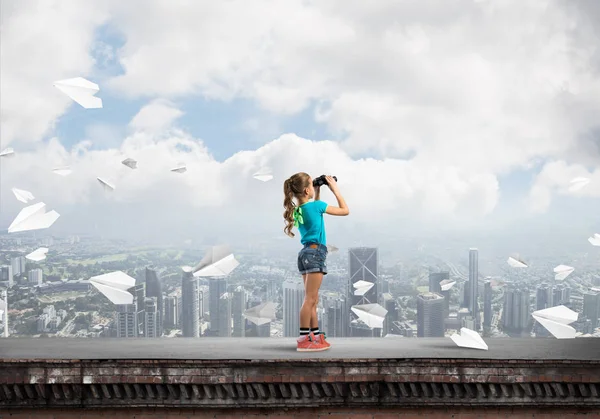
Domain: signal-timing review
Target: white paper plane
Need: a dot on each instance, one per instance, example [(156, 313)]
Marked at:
[(180, 168), (114, 286), (81, 91), (372, 315), (219, 261), (447, 284), (106, 184), (7, 152), (594, 289), (331, 248), (562, 271), (362, 287), (261, 314), (62, 171), (132, 164), (33, 217), (263, 175), (578, 183), (22, 195), (595, 240), (38, 254), (469, 339), (556, 320), (516, 262), (392, 335)]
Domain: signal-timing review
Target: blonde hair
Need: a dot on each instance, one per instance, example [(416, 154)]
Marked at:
[(293, 188)]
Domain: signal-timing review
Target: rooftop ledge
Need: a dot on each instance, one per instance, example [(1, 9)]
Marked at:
[(217, 373)]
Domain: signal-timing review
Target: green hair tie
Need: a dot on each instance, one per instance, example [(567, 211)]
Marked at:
[(298, 217)]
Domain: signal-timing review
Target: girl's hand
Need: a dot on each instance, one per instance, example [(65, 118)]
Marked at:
[(332, 184)]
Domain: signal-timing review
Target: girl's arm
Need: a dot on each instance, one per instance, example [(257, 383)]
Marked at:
[(343, 208)]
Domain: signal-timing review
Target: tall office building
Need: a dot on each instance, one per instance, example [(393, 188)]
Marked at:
[(363, 266), (127, 325), (154, 289), (487, 304), (238, 307), (216, 288), (591, 307), (224, 319), (543, 299), (151, 318), (18, 265), (335, 316), (434, 281), (204, 298), (35, 276), (389, 303), (271, 290), (430, 315), (515, 312), (171, 311), (190, 305), (6, 274), (293, 298), (473, 285), (139, 299)]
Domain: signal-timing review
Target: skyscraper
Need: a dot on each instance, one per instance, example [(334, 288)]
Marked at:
[(151, 318), (154, 289), (473, 284), (335, 316), (363, 266), (224, 318), (515, 312), (216, 288), (434, 281), (127, 325), (487, 304), (6, 274), (389, 303), (293, 297), (18, 265), (237, 310), (139, 299), (430, 315), (543, 299), (35, 276), (171, 311), (591, 307), (190, 305)]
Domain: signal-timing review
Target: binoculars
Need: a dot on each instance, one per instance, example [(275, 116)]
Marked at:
[(321, 180)]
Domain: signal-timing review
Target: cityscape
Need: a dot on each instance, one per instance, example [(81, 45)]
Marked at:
[(424, 296)]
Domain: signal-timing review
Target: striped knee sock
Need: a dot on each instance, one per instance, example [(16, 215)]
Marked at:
[(304, 331), (315, 331)]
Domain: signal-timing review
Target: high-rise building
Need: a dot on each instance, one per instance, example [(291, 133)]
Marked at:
[(224, 326), (335, 316), (216, 288), (6, 274), (171, 311), (293, 298), (434, 281), (430, 315), (474, 284), (238, 307), (18, 265), (190, 305), (271, 290), (591, 307), (363, 266), (487, 304), (151, 318), (139, 299), (389, 303), (543, 299), (154, 289), (35, 276), (515, 312), (127, 325)]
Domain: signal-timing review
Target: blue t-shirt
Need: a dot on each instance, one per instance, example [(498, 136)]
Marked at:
[(313, 229)]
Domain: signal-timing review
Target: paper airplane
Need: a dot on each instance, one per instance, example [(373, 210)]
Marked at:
[(447, 284), (38, 254), (469, 339), (261, 314), (132, 164), (7, 152), (33, 217), (106, 184), (22, 195), (219, 261), (81, 91), (392, 335), (263, 175), (594, 289), (114, 286), (331, 248), (516, 262), (556, 320), (180, 168), (362, 287), (62, 171), (372, 315), (578, 183), (595, 240), (562, 271)]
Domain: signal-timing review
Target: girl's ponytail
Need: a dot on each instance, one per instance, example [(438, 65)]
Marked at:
[(288, 204)]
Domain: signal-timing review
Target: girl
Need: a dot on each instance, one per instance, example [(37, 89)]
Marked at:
[(308, 218)]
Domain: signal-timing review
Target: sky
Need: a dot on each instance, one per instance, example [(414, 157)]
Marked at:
[(462, 117)]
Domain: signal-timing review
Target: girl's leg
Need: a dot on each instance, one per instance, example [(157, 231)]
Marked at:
[(312, 285), (314, 318)]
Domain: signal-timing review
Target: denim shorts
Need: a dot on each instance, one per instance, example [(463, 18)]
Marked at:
[(312, 260)]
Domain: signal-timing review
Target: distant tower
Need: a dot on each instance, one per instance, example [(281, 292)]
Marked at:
[(190, 305), (293, 297), (216, 288), (224, 319), (487, 304), (430, 315), (591, 307), (171, 311), (237, 310), (127, 324), (363, 266), (5, 309), (151, 318), (434, 281), (473, 284), (154, 289)]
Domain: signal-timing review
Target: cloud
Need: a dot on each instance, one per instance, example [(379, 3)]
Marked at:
[(155, 116)]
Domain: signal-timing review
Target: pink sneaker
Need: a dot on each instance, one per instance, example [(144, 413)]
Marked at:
[(310, 343), (322, 338)]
